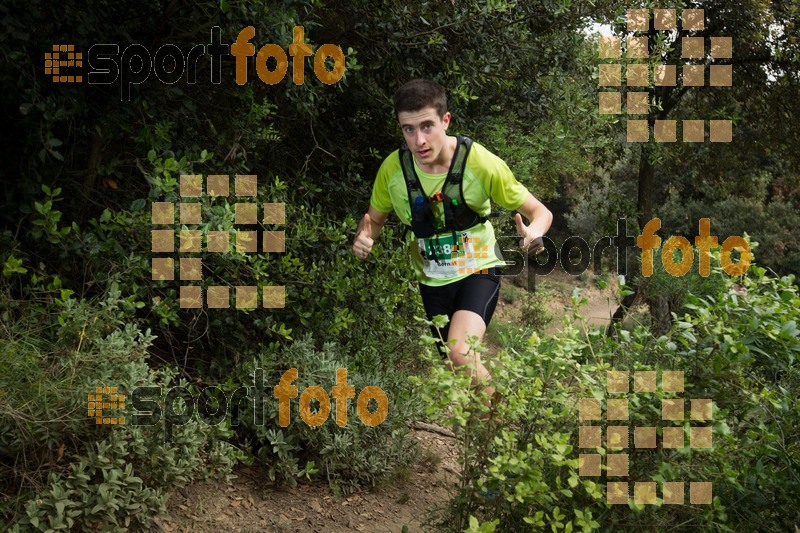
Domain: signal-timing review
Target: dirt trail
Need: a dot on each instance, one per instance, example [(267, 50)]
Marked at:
[(251, 504), (557, 289), (600, 305)]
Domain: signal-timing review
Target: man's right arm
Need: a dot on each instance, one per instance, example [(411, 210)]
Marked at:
[(370, 225), (377, 220), (368, 230)]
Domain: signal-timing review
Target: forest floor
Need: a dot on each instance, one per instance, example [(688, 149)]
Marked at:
[(249, 503)]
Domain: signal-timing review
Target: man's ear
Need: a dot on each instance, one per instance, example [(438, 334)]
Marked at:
[(446, 119)]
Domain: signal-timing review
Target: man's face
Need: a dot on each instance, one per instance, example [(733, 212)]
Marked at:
[(425, 133)]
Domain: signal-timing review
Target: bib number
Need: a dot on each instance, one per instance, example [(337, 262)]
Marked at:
[(444, 258)]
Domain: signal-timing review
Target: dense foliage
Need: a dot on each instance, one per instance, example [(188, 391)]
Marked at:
[(520, 469), (82, 166)]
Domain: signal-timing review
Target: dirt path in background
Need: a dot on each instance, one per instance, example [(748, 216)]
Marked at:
[(600, 305), (557, 288), (251, 504)]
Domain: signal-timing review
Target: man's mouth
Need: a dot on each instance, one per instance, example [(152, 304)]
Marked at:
[(423, 153)]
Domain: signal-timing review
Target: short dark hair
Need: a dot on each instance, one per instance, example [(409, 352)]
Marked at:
[(418, 94)]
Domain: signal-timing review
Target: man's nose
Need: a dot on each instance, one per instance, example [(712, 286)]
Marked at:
[(420, 138)]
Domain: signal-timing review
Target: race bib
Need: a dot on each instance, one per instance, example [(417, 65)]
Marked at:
[(444, 258)]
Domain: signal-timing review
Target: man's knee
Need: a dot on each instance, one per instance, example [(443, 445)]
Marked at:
[(460, 354)]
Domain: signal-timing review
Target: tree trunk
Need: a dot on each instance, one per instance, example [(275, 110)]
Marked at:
[(644, 205), (644, 201)]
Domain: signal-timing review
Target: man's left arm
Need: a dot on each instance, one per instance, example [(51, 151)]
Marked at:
[(506, 191), (539, 218)]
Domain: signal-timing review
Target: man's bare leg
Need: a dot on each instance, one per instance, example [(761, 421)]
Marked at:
[(464, 325)]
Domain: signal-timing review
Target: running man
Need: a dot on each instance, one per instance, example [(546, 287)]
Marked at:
[(441, 186)]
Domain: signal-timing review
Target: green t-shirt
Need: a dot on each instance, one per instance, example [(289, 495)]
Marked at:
[(436, 260)]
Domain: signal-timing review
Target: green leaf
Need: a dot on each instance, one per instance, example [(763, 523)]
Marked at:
[(440, 321), (13, 266)]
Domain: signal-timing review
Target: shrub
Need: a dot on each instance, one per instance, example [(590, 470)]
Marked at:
[(534, 311), (73, 473), (598, 207), (771, 224), (739, 350), (350, 457)]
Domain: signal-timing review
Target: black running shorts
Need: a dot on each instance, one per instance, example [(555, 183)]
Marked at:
[(477, 293)]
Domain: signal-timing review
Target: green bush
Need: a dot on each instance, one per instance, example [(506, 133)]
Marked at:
[(598, 206), (739, 350), (59, 345), (772, 224), (371, 302), (349, 457), (534, 311), (64, 470)]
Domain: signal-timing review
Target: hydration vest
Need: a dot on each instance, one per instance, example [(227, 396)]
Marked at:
[(457, 214)]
